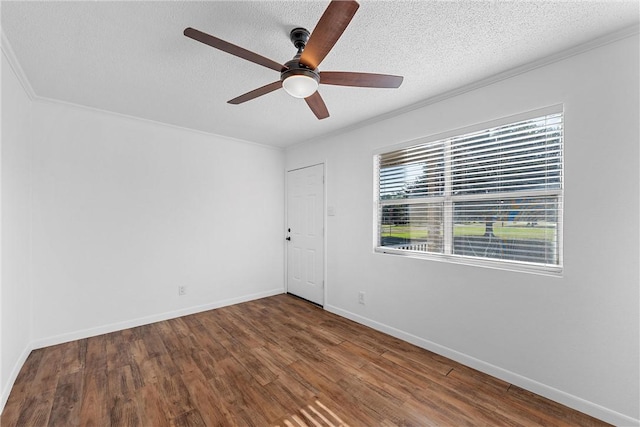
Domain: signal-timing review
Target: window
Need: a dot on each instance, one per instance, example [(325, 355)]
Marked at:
[(491, 197)]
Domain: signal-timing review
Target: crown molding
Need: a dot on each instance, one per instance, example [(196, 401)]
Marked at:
[(57, 102), (8, 53)]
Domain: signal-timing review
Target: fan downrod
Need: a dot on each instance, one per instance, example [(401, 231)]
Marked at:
[(299, 37)]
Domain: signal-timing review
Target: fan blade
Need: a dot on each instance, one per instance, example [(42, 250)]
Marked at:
[(327, 32), (256, 93), (232, 49), (343, 78), (317, 105)]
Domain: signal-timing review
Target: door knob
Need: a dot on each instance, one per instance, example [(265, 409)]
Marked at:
[(288, 238)]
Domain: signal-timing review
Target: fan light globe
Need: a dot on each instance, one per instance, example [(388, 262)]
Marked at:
[(300, 85)]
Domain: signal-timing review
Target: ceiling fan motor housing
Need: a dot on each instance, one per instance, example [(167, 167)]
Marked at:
[(294, 67), (299, 37)]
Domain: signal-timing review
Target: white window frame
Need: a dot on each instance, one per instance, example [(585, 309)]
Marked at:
[(448, 199)]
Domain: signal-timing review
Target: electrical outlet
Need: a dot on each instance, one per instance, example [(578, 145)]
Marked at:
[(361, 297), (182, 290)]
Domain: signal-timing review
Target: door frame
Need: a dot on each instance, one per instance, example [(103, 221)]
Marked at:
[(324, 227)]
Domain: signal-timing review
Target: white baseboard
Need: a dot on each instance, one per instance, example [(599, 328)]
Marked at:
[(13, 376), (105, 329), (554, 394)]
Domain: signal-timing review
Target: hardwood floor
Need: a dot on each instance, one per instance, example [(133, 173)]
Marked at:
[(277, 361)]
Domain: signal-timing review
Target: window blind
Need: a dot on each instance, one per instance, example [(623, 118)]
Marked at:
[(492, 194)]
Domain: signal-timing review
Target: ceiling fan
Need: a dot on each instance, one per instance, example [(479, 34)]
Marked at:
[(300, 76)]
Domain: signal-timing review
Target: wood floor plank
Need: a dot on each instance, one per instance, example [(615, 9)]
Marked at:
[(96, 355), (224, 380), (176, 395), (123, 412), (273, 361), (153, 343), (290, 393), (93, 405), (477, 379), (424, 358), (192, 418), (35, 410), (453, 397), (331, 388), (66, 401), (151, 407), (73, 356), (211, 405), (49, 368), (348, 354), (254, 399)]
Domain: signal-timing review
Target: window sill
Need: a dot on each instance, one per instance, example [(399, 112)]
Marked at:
[(515, 266)]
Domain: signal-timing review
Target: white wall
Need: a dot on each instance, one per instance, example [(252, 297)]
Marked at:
[(125, 211), (575, 338), (15, 284)]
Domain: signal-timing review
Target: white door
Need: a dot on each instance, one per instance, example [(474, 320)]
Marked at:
[(305, 241)]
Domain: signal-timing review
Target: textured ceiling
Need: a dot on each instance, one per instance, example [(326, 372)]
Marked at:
[(132, 58)]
